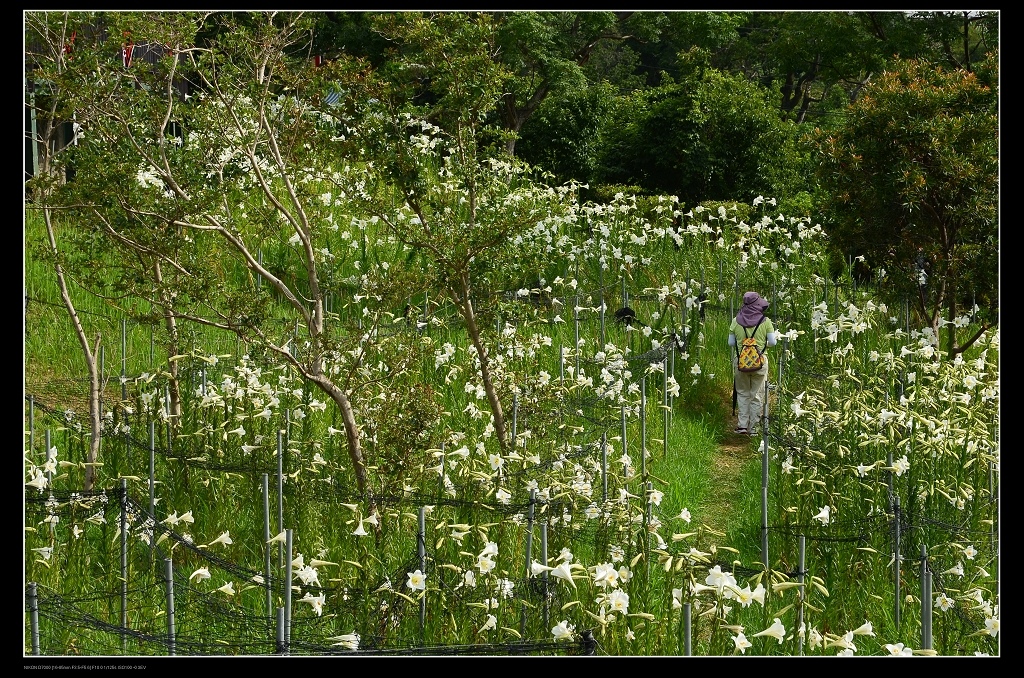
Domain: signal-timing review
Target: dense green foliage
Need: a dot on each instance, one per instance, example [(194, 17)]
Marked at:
[(912, 184), (566, 134), (698, 123)]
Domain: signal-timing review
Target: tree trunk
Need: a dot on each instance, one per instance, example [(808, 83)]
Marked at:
[(173, 385), (514, 117), (90, 359), (95, 419), (355, 451), (469, 316)]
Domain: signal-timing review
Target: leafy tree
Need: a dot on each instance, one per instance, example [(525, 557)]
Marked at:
[(232, 222), (564, 135), (911, 182), (617, 64), (955, 39), (718, 138), (50, 42), (803, 56), (816, 62), (714, 33), (347, 34), (459, 207), (545, 53)]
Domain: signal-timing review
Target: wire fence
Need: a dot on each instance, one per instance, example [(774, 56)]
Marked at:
[(130, 614)]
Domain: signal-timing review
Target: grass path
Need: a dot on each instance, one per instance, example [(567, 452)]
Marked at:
[(735, 451)]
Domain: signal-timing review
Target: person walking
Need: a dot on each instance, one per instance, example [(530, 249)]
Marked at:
[(751, 322)]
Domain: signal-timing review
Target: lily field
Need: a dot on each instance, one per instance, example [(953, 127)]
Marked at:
[(868, 519)]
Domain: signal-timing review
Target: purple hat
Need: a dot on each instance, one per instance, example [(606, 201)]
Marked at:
[(753, 309)]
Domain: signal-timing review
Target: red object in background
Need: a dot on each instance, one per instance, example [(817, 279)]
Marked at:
[(127, 48)]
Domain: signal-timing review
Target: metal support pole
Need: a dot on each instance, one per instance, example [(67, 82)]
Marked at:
[(288, 591), (49, 474), (267, 547), (281, 646), (169, 575), (421, 549), (152, 487), (814, 302), (926, 600), (889, 480), (561, 364), (648, 487), (167, 412), (601, 290), (440, 476), (782, 357), (515, 416), (280, 496), (124, 359), (995, 502), (801, 594), (643, 426), (604, 466), (664, 406), (576, 326), (764, 408), (529, 555), (124, 563), (33, 611), (672, 369), (622, 415), (764, 505), (544, 575), (687, 630), (764, 476), (896, 561)]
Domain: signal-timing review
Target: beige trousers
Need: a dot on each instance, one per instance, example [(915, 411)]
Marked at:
[(750, 396)]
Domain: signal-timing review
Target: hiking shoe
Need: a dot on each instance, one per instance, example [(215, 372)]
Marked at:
[(741, 431)]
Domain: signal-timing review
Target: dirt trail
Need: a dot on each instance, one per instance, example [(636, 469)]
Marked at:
[(734, 452)]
